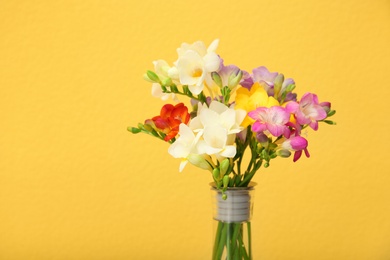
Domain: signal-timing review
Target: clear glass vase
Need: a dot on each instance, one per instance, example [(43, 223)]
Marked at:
[(232, 223)]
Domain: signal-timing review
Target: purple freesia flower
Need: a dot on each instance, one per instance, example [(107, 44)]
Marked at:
[(263, 76), (231, 75)]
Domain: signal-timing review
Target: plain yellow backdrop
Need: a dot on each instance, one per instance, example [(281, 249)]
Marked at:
[(74, 184)]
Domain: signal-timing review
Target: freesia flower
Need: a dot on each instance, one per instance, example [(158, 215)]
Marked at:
[(211, 133), (195, 64), (308, 110), (296, 144), (161, 69), (218, 114), (232, 112), (249, 100), (273, 119), (185, 146), (218, 125), (273, 82), (169, 120), (260, 75)]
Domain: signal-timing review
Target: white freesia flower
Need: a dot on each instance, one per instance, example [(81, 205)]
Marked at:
[(211, 133), (218, 125), (218, 114), (195, 64), (162, 69), (185, 145)]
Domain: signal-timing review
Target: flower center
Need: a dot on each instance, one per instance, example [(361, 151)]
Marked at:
[(197, 72)]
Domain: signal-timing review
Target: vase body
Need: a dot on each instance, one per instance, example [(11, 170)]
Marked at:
[(232, 223)]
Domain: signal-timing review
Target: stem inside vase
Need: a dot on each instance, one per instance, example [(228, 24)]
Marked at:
[(232, 226)]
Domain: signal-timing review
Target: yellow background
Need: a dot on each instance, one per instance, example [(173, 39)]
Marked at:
[(74, 184)]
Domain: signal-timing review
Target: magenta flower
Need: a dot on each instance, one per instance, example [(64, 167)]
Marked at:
[(273, 119), (308, 110), (296, 144), (326, 106)]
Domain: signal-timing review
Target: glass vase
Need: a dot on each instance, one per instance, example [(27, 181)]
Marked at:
[(232, 223)]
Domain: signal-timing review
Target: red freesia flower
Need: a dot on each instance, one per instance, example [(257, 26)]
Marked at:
[(169, 120)]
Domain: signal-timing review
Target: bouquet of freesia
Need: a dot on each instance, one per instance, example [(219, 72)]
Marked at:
[(230, 112)]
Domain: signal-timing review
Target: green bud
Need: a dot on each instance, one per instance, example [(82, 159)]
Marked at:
[(134, 130), (266, 165), (224, 166), (290, 88), (145, 76), (284, 153), (225, 181), (167, 82), (148, 127), (152, 76), (263, 139), (329, 122), (272, 146), (224, 196), (278, 82), (199, 161), (331, 113), (234, 79), (216, 78), (216, 174)]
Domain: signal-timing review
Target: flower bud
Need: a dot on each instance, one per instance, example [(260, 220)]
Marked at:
[(216, 78), (284, 153), (295, 143), (225, 181), (167, 82), (199, 161), (326, 106), (278, 82), (224, 166), (152, 76), (216, 174), (262, 138), (290, 87), (234, 79), (134, 130)]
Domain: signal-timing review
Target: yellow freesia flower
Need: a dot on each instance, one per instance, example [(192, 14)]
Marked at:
[(249, 100)]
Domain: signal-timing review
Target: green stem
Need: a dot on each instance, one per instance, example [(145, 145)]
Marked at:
[(244, 253), (249, 239), (217, 239), (236, 231), (222, 241)]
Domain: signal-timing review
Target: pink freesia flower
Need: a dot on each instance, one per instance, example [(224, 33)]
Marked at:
[(273, 119), (326, 106), (308, 110), (296, 144)]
